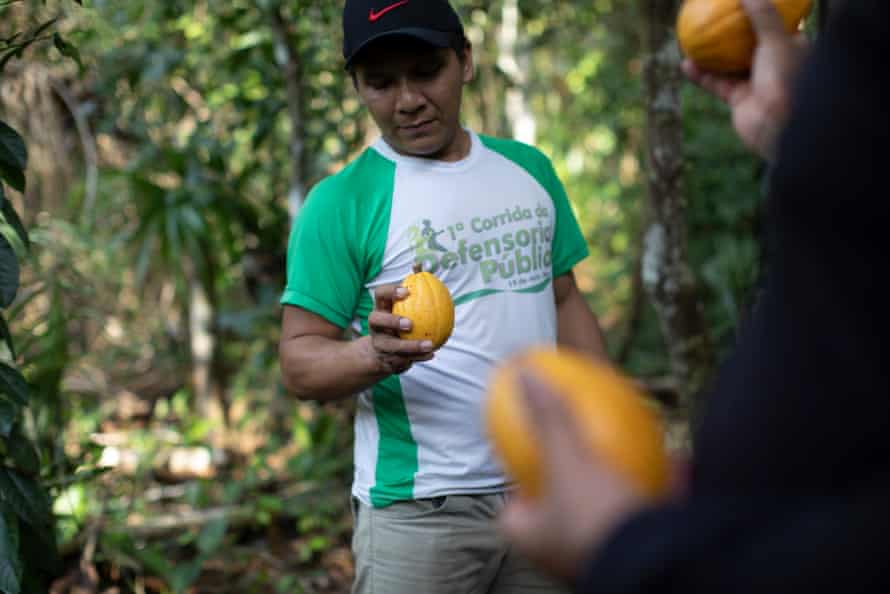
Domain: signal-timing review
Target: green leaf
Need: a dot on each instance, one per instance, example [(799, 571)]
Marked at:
[(22, 453), (184, 575), (67, 49), (38, 547), (212, 535), (150, 556), (24, 496), (9, 412), (13, 384), (14, 176), (6, 335), (9, 272), (12, 148), (10, 564), (12, 219)]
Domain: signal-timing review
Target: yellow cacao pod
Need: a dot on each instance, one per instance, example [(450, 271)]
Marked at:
[(615, 421), (429, 307), (717, 34)]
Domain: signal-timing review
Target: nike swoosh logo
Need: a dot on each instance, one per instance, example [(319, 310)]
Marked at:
[(375, 16)]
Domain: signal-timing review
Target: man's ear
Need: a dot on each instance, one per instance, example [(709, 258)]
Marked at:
[(467, 63)]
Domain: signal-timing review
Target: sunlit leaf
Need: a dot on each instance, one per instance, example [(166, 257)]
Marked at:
[(6, 335), (12, 218)]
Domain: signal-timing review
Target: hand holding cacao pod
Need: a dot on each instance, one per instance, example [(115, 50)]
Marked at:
[(429, 307), (718, 37), (616, 424), (396, 340)]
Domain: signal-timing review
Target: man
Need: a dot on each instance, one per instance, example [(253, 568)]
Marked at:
[(790, 487), (487, 216)]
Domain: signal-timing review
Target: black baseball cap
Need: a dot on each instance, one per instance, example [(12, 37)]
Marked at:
[(364, 21)]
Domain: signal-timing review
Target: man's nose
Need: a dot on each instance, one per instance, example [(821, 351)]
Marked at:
[(410, 99)]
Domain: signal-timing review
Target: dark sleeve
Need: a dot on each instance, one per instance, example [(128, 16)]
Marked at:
[(751, 544), (791, 488)]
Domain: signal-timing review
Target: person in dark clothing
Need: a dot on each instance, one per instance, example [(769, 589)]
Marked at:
[(790, 484)]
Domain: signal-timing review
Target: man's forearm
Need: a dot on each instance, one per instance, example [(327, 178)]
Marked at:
[(324, 369), (577, 327)]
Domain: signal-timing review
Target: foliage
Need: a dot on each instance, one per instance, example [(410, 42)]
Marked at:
[(28, 556), (27, 540)]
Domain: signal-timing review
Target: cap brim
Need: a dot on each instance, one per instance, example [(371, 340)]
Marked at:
[(430, 36)]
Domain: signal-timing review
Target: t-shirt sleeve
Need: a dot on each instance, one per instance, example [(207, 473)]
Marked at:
[(323, 266), (568, 243)]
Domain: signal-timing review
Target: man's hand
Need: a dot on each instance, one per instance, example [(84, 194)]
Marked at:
[(392, 354), (760, 104), (583, 500)]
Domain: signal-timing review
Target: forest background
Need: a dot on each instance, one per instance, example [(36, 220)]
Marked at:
[(152, 157)]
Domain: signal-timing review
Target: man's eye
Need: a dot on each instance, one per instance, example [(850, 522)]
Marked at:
[(377, 83), (429, 71)]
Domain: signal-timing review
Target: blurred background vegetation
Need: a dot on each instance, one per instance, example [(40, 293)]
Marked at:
[(169, 144)]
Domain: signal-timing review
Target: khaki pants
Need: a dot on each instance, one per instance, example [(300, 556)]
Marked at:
[(446, 545)]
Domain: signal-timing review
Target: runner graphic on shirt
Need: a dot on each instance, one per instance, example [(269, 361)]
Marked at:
[(430, 235), (423, 241)]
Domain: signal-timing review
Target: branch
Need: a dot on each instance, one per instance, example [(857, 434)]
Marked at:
[(26, 42), (90, 155), (164, 525), (177, 523)]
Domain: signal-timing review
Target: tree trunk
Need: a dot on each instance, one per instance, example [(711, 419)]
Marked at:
[(488, 100), (202, 345), (666, 272), (210, 380), (514, 64), (289, 59)]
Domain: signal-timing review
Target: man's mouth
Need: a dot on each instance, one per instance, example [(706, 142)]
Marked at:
[(418, 126)]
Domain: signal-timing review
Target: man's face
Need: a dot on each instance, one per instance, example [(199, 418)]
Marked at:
[(413, 92)]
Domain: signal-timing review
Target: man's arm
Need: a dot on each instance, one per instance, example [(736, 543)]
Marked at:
[(796, 539), (318, 364), (577, 326)]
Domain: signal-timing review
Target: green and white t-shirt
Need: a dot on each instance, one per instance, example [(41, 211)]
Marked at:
[(496, 228)]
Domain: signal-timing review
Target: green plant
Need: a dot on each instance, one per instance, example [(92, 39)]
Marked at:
[(27, 539), (28, 554)]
